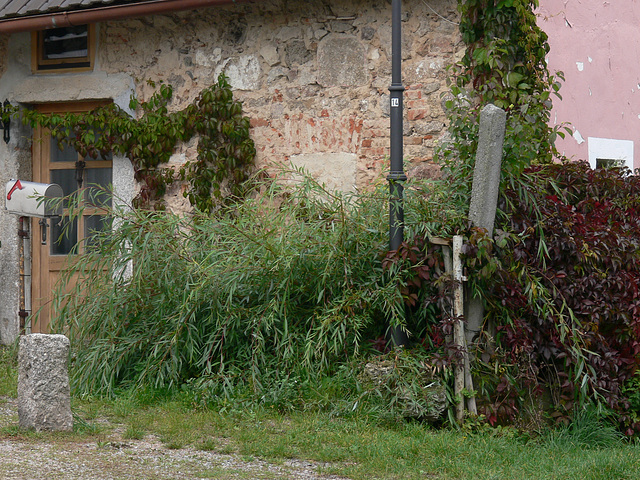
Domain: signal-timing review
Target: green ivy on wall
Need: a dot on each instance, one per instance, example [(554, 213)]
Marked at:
[(504, 64), (226, 152)]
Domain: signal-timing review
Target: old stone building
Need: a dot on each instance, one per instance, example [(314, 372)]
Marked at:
[(313, 77)]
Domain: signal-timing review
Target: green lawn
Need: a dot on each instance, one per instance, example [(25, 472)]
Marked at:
[(358, 447)]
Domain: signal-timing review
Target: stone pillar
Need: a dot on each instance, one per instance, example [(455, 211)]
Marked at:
[(484, 192), (43, 383)]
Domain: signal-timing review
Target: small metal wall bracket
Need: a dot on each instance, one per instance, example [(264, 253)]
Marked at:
[(6, 125), (44, 224)]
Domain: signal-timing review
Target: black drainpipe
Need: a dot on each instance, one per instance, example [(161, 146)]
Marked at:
[(396, 175)]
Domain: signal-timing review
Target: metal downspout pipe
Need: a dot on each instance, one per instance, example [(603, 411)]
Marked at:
[(396, 175)]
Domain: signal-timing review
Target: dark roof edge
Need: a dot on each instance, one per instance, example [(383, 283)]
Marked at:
[(106, 13)]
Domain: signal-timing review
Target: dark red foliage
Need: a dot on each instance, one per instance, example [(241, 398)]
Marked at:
[(589, 224), (417, 260), (561, 283)]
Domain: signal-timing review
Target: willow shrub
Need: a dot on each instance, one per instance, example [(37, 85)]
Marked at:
[(289, 280)]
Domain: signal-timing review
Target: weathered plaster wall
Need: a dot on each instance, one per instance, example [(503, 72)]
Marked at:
[(597, 46), (313, 76), (4, 43), (15, 162)]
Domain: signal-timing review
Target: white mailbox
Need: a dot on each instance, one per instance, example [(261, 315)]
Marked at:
[(31, 199)]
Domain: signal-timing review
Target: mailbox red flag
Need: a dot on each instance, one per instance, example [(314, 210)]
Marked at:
[(16, 186)]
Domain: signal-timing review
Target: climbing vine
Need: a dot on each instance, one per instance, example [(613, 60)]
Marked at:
[(225, 150), (504, 64)]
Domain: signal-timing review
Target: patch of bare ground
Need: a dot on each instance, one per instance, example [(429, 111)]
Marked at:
[(51, 456)]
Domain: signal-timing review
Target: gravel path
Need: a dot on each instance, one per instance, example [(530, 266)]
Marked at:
[(51, 457)]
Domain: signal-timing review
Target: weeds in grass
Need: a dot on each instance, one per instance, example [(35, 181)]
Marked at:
[(102, 443), (124, 405), (84, 427), (134, 432), (11, 431), (589, 428), (8, 371), (172, 443), (208, 444)]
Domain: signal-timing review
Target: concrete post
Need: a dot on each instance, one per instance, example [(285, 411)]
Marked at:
[(44, 401), (484, 192)]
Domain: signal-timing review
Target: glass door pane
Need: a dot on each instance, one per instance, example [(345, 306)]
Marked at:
[(66, 154), (98, 182), (93, 226), (63, 235)]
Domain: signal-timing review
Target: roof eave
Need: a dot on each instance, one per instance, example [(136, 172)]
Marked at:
[(107, 13)]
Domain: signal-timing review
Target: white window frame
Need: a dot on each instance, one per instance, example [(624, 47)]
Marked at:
[(610, 149)]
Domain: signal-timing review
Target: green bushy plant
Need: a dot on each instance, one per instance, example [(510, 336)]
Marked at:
[(589, 428), (291, 279)]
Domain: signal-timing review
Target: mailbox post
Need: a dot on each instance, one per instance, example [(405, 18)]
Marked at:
[(30, 199)]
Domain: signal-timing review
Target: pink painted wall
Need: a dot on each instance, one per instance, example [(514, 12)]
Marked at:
[(597, 46)]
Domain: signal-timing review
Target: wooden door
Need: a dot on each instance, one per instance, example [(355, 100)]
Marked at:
[(56, 243)]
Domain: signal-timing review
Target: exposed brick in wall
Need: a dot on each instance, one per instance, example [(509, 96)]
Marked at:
[(313, 75)]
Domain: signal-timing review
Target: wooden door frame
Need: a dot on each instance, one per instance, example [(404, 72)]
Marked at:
[(42, 288)]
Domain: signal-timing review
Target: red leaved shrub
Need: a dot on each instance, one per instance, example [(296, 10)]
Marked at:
[(563, 293)]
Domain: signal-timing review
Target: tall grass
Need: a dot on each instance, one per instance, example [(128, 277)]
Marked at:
[(288, 280), (8, 371), (588, 429)]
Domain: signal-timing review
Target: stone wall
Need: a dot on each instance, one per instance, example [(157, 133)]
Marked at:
[(313, 75)]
